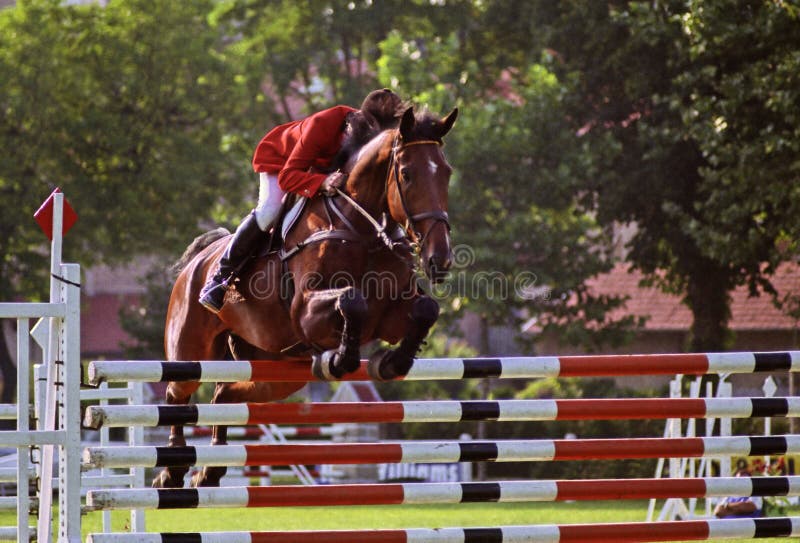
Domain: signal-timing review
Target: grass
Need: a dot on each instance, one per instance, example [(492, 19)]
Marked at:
[(384, 517)]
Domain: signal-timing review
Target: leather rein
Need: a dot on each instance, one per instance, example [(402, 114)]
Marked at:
[(390, 240)]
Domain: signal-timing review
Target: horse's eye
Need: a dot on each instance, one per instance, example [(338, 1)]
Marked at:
[(405, 174)]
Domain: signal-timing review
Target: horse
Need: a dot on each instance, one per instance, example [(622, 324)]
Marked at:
[(346, 275)]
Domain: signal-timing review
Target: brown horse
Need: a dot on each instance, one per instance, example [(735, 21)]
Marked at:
[(346, 275)]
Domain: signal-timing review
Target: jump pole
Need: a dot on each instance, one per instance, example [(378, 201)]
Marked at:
[(525, 367), (438, 452), (634, 532), (438, 411), (430, 493)]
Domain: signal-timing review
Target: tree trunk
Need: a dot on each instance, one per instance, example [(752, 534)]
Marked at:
[(708, 297)]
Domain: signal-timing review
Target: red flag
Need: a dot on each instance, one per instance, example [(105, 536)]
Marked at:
[(44, 216)]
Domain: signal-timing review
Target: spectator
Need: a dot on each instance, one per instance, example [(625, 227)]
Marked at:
[(740, 507)]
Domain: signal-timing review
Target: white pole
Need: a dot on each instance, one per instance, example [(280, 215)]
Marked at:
[(44, 534), (136, 438), (23, 425), (69, 457)]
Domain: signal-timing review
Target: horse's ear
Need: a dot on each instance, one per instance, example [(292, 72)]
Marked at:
[(448, 122), (407, 123)]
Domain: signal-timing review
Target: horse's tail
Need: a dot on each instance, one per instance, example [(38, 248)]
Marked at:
[(200, 242)]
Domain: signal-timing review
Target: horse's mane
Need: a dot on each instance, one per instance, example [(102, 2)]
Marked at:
[(363, 130), (200, 242), (359, 129)]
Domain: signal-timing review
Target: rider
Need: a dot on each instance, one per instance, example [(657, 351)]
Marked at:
[(289, 159)]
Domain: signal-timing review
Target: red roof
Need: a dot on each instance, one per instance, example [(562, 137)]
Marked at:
[(666, 311)]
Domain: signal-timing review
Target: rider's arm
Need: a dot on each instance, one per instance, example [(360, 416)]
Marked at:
[(320, 138)]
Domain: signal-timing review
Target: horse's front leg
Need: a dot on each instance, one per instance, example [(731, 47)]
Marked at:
[(177, 394), (334, 318), (211, 475), (385, 365), (241, 392)]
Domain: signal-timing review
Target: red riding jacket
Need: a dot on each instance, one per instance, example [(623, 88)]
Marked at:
[(293, 149)]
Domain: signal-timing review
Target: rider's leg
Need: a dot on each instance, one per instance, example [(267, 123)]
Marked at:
[(241, 244)]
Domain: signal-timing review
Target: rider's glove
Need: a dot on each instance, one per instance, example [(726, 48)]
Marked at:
[(334, 181)]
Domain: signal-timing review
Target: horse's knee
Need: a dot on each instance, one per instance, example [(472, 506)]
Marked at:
[(222, 393), (425, 311), (180, 392)]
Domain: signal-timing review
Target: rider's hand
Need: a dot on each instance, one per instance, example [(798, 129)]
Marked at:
[(334, 181)]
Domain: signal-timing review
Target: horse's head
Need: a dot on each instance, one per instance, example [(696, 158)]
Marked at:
[(417, 187)]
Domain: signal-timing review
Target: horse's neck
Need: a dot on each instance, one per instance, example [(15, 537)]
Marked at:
[(368, 176)]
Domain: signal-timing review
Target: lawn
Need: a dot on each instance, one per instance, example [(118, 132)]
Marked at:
[(322, 518)]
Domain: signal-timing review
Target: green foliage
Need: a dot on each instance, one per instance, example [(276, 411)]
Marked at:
[(689, 101), (744, 89), (131, 121), (521, 241), (315, 53)]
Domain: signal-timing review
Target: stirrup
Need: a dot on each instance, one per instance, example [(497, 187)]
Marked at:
[(212, 297)]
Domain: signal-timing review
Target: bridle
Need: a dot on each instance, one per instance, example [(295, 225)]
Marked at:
[(438, 215)]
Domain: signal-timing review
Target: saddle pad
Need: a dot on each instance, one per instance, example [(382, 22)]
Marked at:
[(291, 217)]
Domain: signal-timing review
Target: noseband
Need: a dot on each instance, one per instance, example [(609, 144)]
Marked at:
[(438, 215)]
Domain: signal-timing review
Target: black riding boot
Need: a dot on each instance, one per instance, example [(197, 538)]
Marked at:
[(239, 249)]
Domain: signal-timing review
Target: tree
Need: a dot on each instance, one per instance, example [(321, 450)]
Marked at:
[(682, 106), (131, 121), (304, 56), (524, 247)]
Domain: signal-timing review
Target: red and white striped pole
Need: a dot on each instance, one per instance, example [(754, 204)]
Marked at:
[(522, 367), (439, 451), (633, 532), (438, 411), (426, 493)]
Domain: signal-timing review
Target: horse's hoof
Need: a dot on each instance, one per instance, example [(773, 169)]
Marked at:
[(379, 365), (333, 365), (386, 365), (322, 366), (344, 363), (165, 480)]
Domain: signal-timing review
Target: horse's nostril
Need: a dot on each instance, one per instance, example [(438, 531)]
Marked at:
[(437, 272)]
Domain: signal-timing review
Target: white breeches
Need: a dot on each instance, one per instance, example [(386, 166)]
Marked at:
[(270, 196)]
